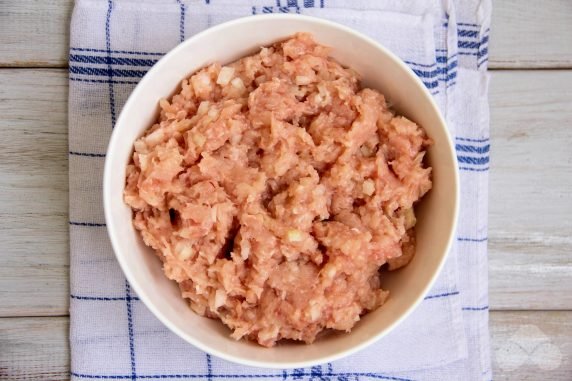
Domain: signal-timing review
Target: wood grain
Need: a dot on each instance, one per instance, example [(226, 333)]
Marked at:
[(531, 34), (34, 256), (530, 192), (34, 349), (525, 346), (530, 208), (34, 33), (524, 33), (531, 346)]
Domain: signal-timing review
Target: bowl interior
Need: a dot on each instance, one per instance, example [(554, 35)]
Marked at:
[(379, 70)]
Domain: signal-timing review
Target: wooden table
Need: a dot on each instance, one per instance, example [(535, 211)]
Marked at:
[(530, 209)]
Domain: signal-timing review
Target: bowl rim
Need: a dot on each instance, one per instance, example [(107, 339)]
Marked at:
[(115, 140)]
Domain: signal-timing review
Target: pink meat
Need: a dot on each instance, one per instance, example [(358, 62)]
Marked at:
[(274, 189)]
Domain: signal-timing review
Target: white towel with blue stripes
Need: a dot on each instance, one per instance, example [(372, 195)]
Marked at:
[(114, 42)]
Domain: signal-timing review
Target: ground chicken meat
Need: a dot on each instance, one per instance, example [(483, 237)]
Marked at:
[(275, 188)]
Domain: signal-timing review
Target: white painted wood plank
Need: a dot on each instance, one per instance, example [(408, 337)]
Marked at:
[(524, 33), (531, 34), (34, 349), (34, 32), (34, 257), (531, 345), (530, 207), (525, 346), (530, 199)]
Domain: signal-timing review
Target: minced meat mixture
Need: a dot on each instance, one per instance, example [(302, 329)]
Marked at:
[(274, 188)]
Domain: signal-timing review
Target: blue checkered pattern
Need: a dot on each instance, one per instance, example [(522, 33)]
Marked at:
[(115, 42)]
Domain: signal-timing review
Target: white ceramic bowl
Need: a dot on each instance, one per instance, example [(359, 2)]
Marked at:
[(381, 70)]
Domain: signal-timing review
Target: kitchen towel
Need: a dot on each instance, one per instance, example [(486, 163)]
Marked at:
[(114, 42)]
